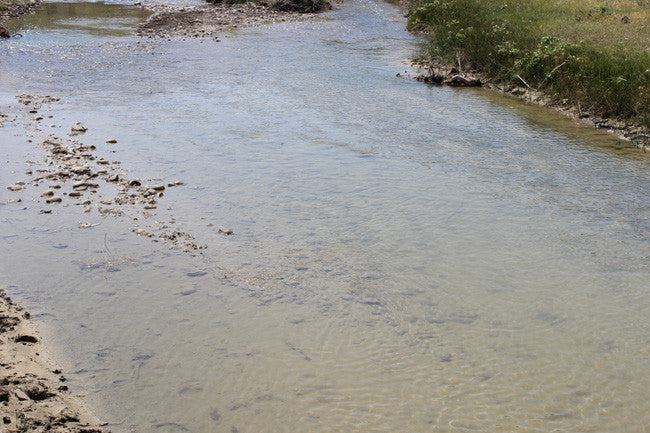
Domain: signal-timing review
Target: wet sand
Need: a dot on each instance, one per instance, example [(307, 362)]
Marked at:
[(33, 393)]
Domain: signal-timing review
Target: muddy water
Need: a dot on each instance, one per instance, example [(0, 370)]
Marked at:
[(404, 258)]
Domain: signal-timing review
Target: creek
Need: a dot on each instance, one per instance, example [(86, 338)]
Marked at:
[(404, 257)]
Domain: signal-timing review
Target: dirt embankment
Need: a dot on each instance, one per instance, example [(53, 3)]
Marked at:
[(33, 394), (211, 19), (453, 76)]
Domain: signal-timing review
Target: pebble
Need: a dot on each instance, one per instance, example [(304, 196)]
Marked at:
[(55, 199), (78, 128), (48, 193), (111, 141), (74, 194)]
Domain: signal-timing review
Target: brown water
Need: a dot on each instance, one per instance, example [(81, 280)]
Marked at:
[(405, 258)]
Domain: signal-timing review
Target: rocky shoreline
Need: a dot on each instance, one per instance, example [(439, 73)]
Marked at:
[(33, 394), (438, 74)]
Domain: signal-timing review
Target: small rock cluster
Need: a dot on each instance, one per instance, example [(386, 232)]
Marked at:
[(70, 161), (210, 20)]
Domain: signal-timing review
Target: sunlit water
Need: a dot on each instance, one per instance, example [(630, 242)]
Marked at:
[(405, 258)]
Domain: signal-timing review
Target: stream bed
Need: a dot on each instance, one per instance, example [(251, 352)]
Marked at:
[(403, 257)]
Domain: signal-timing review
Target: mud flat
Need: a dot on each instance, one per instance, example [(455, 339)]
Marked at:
[(33, 394)]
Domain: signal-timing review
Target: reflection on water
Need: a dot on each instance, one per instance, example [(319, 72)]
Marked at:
[(67, 20), (404, 257)]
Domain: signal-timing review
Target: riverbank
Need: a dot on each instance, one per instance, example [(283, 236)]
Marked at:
[(33, 394), (588, 61)]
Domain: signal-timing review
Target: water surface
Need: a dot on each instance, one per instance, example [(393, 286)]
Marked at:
[(405, 258)]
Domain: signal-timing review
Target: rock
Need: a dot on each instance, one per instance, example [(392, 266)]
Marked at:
[(158, 187), (77, 129), (111, 141), (4, 33), (143, 232), (113, 178), (301, 6), (55, 199), (135, 182), (26, 339), (14, 188), (74, 194), (48, 193), (102, 161), (459, 80), (83, 185)]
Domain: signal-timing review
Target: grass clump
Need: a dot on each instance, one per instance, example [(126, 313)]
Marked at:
[(591, 54)]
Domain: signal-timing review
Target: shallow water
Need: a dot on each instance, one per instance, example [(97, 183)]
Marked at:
[(405, 258)]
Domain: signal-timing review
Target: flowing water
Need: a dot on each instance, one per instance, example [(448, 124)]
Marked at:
[(405, 258)]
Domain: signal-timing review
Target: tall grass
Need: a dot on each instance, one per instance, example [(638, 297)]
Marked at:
[(591, 54)]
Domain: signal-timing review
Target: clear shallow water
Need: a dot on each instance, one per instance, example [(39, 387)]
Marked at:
[(405, 258)]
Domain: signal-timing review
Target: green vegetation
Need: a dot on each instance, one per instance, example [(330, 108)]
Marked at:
[(591, 54)]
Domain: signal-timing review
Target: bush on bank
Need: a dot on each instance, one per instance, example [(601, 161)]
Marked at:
[(588, 54)]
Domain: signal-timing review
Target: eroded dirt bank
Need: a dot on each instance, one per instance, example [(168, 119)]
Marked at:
[(33, 393)]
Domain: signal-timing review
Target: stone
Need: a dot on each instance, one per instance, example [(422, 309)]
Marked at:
[(55, 199)]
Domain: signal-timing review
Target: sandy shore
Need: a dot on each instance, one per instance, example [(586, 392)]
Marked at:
[(33, 394)]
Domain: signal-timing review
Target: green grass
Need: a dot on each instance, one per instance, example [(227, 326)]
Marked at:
[(581, 52)]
